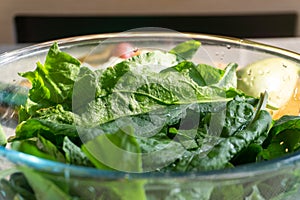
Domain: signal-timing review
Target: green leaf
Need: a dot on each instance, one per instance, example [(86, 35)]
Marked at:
[(154, 147), (43, 188), (229, 79), (255, 194), (169, 104), (138, 93), (74, 154), (219, 156), (14, 187), (39, 147), (154, 61), (128, 189), (51, 122), (3, 140), (202, 74), (51, 129), (200, 190), (216, 125), (238, 115), (187, 69), (115, 151), (284, 138), (52, 83), (186, 50), (284, 123), (86, 89), (206, 75), (248, 154), (228, 192), (209, 74)]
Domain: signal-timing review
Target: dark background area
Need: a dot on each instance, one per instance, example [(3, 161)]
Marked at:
[(44, 28)]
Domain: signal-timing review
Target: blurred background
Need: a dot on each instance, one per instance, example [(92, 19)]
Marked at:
[(33, 21)]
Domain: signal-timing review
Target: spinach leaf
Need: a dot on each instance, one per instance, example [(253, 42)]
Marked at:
[(16, 187), (221, 154), (73, 154), (284, 123), (238, 114), (209, 74), (3, 140), (150, 123), (154, 109), (186, 50), (44, 188), (124, 151), (53, 123), (248, 154), (284, 138), (201, 74), (153, 61), (120, 189), (154, 147), (39, 147), (192, 190), (174, 102), (128, 190), (229, 79), (228, 192), (214, 128), (138, 93), (52, 83), (51, 129), (205, 75)]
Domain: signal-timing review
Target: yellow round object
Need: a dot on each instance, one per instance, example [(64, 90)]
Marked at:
[(277, 76)]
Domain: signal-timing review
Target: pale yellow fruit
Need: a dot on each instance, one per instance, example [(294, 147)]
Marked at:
[(277, 76)]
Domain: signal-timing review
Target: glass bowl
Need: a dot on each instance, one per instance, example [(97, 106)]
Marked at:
[(275, 179)]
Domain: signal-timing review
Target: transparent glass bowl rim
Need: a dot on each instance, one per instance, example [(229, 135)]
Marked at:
[(288, 162)]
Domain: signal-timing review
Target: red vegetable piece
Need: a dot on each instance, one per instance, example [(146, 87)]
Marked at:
[(125, 50)]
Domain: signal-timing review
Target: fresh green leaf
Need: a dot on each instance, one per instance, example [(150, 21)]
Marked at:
[(229, 79), (18, 186), (138, 93), (154, 147), (124, 151), (73, 154), (284, 123), (3, 140), (209, 74), (201, 74), (52, 83), (228, 192), (248, 154), (49, 122), (238, 115), (43, 188), (186, 50), (192, 190), (190, 70), (39, 147), (284, 138), (86, 89), (168, 103), (50, 129), (129, 189), (219, 156)]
